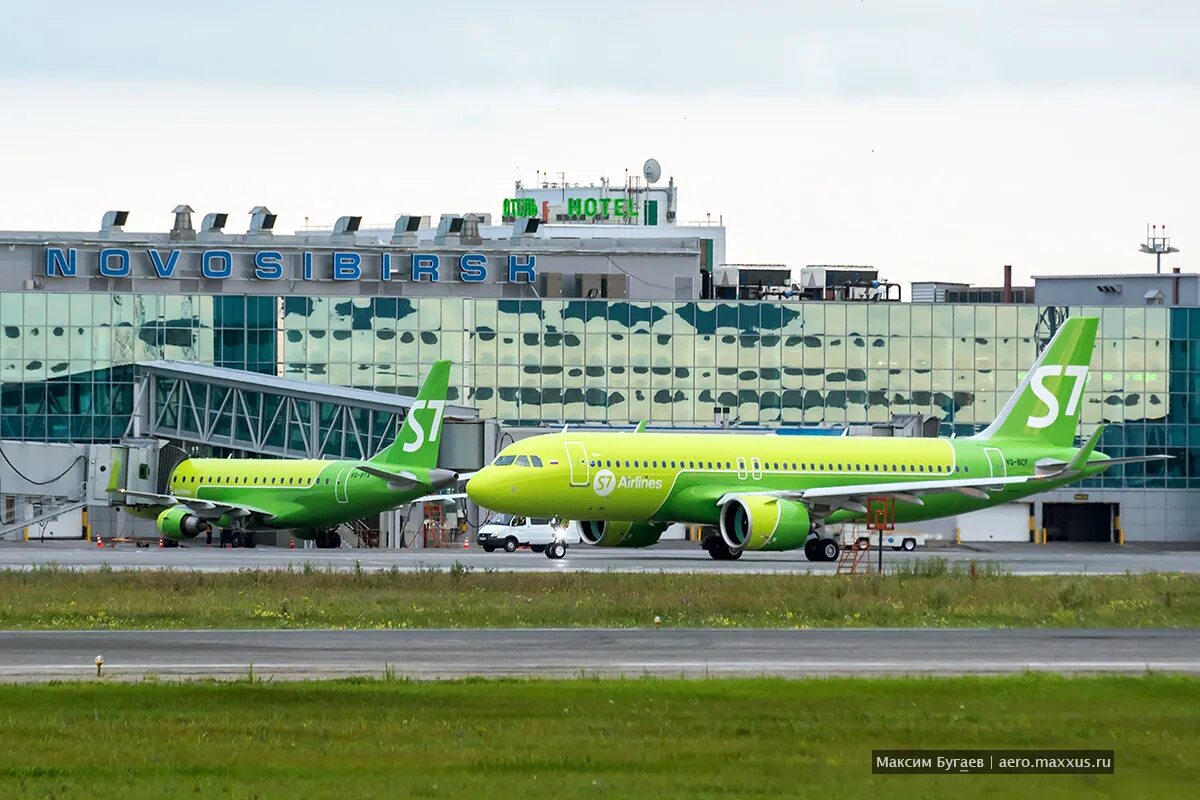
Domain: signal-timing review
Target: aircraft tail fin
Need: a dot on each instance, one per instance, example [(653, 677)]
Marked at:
[(1046, 405), (420, 437)]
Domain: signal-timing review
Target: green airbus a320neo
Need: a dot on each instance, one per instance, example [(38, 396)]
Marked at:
[(770, 492), (309, 497)]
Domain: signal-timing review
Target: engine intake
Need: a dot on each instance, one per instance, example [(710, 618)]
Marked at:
[(178, 522), (764, 523), (621, 533)]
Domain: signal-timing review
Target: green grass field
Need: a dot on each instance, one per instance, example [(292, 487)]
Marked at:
[(55, 598), (625, 739)]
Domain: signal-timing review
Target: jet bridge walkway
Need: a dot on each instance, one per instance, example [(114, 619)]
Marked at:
[(216, 407)]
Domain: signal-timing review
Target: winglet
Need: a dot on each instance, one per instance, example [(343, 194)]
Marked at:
[(641, 426), (114, 477)]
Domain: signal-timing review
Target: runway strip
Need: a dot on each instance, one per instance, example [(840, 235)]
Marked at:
[(674, 557), (433, 654)]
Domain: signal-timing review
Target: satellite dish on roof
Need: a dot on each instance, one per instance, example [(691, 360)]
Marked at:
[(651, 170)]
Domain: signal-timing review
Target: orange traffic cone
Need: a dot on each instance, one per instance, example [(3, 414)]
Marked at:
[(99, 541), (160, 542), (292, 544)]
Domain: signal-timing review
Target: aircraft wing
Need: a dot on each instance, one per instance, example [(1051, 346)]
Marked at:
[(854, 497), (205, 509), (397, 481)]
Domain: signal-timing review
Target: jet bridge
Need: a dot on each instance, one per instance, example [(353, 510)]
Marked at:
[(217, 408)]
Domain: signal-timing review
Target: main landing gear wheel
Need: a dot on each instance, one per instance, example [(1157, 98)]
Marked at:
[(556, 550), (811, 549), (823, 549), (829, 549), (329, 540), (718, 550)]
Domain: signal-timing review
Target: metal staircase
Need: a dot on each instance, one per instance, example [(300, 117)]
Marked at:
[(855, 556)]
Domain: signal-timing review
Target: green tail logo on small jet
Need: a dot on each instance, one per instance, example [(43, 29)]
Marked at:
[(1046, 406), (418, 440)]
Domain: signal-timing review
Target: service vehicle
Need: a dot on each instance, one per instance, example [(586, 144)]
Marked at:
[(546, 535)]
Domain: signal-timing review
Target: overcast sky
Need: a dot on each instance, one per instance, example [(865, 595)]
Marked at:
[(932, 139)]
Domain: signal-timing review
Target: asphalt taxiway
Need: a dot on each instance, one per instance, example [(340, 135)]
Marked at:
[(1021, 559), (439, 654)]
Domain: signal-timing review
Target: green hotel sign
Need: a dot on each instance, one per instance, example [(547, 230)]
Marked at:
[(603, 207), (521, 207), (576, 207)]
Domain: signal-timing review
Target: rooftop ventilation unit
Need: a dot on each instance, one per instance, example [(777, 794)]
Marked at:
[(524, 227), (261, 220), (214, 223), (182, 229), (346, 225), (449, 228), (113, 221), (407, 226)]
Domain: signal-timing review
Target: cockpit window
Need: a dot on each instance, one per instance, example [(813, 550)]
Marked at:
[(535, 460), (522, 461), (503, 461)]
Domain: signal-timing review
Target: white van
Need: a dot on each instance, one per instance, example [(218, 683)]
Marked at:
[(539, 534), (897, 540)]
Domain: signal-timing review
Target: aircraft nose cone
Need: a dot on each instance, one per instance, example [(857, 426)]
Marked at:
[(482, 487)]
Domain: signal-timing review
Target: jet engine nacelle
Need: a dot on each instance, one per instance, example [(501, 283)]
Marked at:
[(178, 522), (620, 533), (757, 522)]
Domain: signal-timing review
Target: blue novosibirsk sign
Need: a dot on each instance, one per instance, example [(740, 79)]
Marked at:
[(346, 265)]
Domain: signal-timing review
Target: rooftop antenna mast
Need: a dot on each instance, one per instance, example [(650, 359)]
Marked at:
[(1157, 244)]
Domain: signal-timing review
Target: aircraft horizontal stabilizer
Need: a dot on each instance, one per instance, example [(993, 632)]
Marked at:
[(1056, 469), (398, 481)]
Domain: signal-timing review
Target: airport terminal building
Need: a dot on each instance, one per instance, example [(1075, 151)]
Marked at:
[(549, 325)]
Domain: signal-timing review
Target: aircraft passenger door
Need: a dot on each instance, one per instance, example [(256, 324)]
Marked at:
[(755, 469), (341, 488), (996, 464), (742, 472), (577, 460)]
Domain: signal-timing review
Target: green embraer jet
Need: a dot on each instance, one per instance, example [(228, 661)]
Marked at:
[(770, 492), (309, 497)]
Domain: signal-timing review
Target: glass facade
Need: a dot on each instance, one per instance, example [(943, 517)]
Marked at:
[(65, 361)]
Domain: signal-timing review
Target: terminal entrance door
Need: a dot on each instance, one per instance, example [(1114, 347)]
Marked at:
[(1079, 522)]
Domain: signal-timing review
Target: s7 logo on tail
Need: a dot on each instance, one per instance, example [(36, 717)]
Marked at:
[(1037, 384), (414, 424)]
